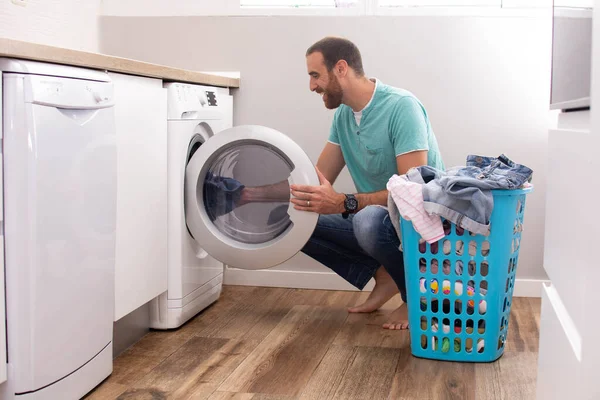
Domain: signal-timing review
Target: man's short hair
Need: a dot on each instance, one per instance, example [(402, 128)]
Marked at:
[(335, 49)]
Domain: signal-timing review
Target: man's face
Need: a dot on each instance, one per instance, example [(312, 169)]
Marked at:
[(324, 82)]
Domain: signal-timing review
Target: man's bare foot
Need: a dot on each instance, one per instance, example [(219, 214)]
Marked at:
[(385, 288), (398, 319)]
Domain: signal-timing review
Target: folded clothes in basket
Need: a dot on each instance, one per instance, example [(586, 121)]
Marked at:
[(462, 195)]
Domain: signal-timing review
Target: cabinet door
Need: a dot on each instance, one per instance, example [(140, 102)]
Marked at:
[(141, 257), (3, 360)]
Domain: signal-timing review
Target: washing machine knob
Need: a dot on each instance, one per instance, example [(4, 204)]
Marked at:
[(203, 99)]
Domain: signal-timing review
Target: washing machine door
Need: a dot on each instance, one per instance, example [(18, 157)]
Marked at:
[(237, 197)]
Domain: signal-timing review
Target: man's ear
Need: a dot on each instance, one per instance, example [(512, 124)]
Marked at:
[(341, 68)]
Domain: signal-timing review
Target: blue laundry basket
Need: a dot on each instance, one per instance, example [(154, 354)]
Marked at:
[(459, 289)]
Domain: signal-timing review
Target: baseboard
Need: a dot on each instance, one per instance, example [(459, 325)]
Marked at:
[(331, 281)]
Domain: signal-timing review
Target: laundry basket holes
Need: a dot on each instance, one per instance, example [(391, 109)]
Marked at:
[(472, 248), (514, 264), (516, 242), (458, 326), (434, 324), (460, 231), (423, 323), (423, 285), (500, 342), (480, 345), (434, 248), (470, 309), (460, 247), (518, 210), (434, 267), (446, 307), (484, 268), (472, 268), (502, 322), (434, 343), (507, 283), (422, 265), (481, 326), (424, 342), (485, 248), (458, 269), (483, 287), (510, 265), (471, 288), (447, 247), (469, 326), (446, 267), (458, 287), (469, 345), (458, 307), (457, 346), (446, 287), (445, 345), (434, 305), (446, 325), (505, 303)]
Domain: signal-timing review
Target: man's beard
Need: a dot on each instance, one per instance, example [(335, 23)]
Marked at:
[(333, 93)]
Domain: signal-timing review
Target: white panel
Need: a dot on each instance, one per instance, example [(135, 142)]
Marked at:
[(441, 3), (526, 3), (574, 3), (558, 362), (63, 23), (3, 359), (141, 121), (566, 257)]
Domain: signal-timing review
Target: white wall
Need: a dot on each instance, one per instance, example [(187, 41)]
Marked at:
[(65, 23), (484, 81)]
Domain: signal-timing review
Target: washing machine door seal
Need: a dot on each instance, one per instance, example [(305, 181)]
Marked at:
[(248, 233)]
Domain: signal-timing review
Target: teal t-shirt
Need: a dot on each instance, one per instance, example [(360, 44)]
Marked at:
[(393, 123)]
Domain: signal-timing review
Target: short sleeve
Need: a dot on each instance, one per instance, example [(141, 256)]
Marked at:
[(408, 127), (333, 132)]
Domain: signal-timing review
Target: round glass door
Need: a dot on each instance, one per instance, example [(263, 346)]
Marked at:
[(237, 197)]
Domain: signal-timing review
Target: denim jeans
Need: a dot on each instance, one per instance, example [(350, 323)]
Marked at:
[(356, 247)]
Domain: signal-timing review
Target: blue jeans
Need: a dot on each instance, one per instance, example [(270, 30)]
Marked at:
[(356, 247)]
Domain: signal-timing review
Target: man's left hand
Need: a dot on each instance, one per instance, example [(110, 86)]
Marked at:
[(321, 199)]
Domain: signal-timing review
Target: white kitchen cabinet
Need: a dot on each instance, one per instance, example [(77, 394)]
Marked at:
[(141, 254), (569, 355)]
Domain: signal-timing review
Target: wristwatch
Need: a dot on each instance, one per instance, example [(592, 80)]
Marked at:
[(350, 204)]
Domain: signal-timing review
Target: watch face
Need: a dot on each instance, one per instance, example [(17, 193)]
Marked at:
[(351, 204)]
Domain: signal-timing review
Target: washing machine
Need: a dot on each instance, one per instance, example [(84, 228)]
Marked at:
[(195, 114), (211, 166), (59, 197)]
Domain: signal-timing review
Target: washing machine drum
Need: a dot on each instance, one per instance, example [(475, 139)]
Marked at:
[(237, 197)]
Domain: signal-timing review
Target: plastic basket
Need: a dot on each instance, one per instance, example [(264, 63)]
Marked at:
[(459, 289)]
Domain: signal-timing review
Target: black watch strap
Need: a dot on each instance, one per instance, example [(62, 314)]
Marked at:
[(350, 204)]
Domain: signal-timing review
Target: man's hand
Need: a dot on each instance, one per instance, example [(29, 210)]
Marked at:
[(321, 199)]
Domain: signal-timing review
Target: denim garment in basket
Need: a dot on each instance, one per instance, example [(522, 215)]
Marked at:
[(463, 195)]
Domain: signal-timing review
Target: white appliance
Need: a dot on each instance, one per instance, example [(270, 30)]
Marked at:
[(194, 114), (257, 234), (59, 228), (206, 152)]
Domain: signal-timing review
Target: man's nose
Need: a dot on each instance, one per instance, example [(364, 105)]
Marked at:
[(313, 86)]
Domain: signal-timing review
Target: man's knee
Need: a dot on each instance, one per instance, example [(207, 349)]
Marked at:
[(369, 227)]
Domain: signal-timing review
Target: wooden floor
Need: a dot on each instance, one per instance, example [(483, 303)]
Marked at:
[(273, 343)]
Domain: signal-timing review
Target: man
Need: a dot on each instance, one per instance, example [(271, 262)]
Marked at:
[(377, 131)]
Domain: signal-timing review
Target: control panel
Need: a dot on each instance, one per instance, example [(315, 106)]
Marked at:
[(188, 101)]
